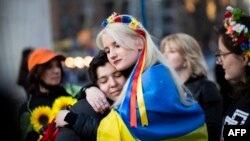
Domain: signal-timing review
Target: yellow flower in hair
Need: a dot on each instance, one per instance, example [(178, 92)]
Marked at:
[(40, 117), (62, 102), (133, 24), (247, 53), (111, 17)]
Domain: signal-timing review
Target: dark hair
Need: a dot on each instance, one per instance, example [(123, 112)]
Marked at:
[(99, 60), (240, 89), (34, 77), (22, 79)]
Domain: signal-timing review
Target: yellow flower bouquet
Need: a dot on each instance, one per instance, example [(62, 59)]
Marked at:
[(41, 116), (63, 102)]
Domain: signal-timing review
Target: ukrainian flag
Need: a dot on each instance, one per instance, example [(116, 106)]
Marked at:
[(164, 118)]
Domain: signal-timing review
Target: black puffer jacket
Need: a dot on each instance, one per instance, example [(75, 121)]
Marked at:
[(208, 96), (83, 122)]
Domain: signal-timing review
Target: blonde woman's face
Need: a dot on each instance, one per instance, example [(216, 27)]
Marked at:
[(174, 57), (52, 75), (120, 57)]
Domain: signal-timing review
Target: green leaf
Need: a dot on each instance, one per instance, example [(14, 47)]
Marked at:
[(25, 125)]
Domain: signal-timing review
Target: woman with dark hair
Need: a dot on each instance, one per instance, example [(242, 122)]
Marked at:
[(104, 76), (22, 79), (44, 86), (234, 57)]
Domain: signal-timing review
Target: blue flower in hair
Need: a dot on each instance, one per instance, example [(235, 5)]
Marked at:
[(104, 23), (244, 46), (130, 21), (126, 19)]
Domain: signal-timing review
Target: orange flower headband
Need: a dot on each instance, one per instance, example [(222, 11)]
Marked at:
[(235, 30)]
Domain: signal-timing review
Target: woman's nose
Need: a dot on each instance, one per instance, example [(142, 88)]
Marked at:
[(56, 69), (113, 54), (113, 82)]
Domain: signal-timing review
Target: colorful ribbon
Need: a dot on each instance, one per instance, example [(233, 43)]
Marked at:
[(137, 93)]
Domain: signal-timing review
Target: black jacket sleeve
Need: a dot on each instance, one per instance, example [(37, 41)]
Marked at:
[(84, 120), (81, 94), (211, 102), (86, 126), (209, 98)]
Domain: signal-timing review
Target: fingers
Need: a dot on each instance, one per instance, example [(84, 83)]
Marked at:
[(99, 107), (104, 103), (59, 119), (97, 99), (57, 123)]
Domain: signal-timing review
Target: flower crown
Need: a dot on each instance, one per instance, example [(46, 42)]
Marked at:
[(235, 30), (125, 19)]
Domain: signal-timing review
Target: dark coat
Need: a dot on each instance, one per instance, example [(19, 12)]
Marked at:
[(238, 113), (208, 96), (84, 125)]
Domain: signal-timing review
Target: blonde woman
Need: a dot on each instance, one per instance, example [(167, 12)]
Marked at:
[(185, 55), (152, 105)]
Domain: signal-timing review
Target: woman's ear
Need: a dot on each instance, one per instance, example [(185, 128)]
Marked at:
[(139, 44), (245, 60)]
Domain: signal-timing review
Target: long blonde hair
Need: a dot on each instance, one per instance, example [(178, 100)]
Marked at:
[(190, 50), (153, 54)]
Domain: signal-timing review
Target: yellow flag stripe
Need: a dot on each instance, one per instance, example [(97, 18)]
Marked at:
[(140, 99)]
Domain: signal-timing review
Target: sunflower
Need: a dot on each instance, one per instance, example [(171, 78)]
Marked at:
[(40, 117), (62, 102)]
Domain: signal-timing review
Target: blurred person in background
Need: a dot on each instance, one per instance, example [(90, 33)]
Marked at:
[(44, 86), (83, 41), (184, 53), (22, 79), (80, 45), (234, 57)]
